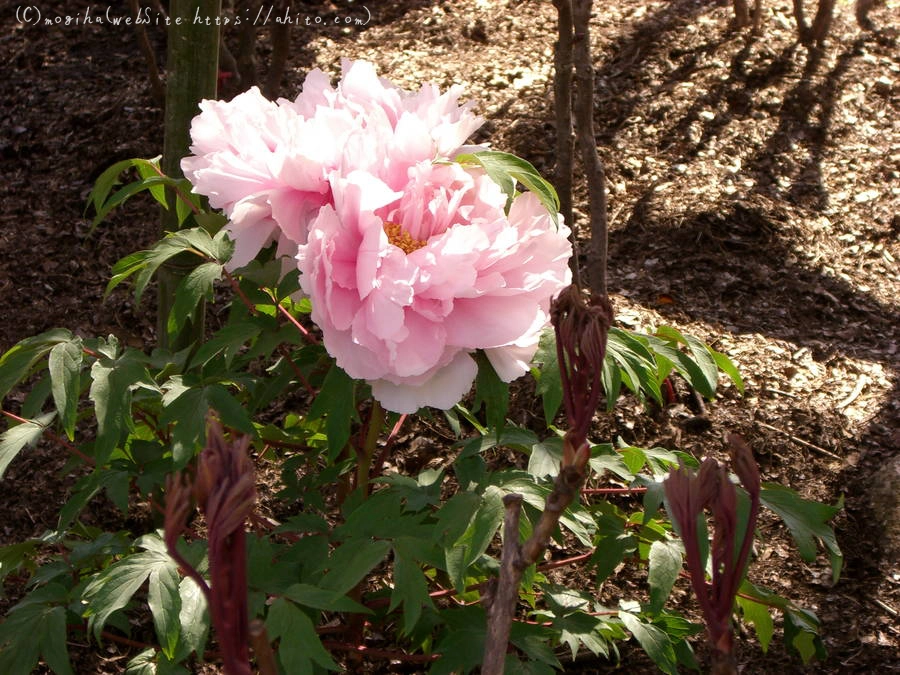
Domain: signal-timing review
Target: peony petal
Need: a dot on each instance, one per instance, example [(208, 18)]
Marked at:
[(443, 390)]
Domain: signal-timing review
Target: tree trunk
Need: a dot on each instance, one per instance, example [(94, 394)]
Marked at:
[(192, 64)]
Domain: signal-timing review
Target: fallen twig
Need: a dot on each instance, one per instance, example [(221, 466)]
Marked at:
[(807, 444)]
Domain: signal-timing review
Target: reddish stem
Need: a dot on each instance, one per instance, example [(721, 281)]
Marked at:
[(299, 326), (613, 491), (236, 287), (56, 439)]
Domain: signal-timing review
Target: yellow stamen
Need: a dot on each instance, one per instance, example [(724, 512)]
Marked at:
[(402, 240)]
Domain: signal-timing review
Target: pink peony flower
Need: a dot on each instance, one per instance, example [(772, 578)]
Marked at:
[(406, 283), (267, 164)]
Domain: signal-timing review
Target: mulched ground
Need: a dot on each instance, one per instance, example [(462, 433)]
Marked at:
[(754, 193)]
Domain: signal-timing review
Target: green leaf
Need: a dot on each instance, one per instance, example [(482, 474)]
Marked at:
[(164, 600), (142, 664), (757, 614), (229, 340), (34, 402), (665, 565), (612, 382), (34, 628), (546, 457), (654, 641), (727, 366), (65, 381), (16, 362), (699, 368), (321, 598), (145, 263), (534, 641), (453, 518), (807, 520), (299, 647), (549, 382), (410, 590), (351, 562), (477, 537), (14, 556), (111, 388), (113, 588), (151, 183), (196, 286), (801, 634), (193, 618), (505, 169), (336, 401), (637, 368), (461, 645), (579, 629), (17, 437), (494, 392)]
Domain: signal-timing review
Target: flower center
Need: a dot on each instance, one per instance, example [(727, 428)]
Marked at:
[(401, 239)]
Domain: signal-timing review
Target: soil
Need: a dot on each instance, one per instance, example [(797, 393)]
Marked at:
[(754, 187)]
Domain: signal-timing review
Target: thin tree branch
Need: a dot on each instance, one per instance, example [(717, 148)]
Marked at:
[(593, 167)]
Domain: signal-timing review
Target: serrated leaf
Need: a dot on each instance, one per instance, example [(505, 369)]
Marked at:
[(654, 641), (65, 381), (664, 567), (299, 646), (15, 438), (808, 521)]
